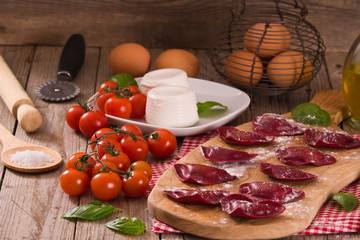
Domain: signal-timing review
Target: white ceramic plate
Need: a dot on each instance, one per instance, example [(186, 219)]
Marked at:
[(236, 100)]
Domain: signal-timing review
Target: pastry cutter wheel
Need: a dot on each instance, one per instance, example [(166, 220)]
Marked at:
[(71, 60)]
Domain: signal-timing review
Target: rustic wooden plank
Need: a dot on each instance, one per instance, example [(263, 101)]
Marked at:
[(343, 236), (66, 139), (349, 236), (30, 188), (173, 236), (111, 22), (15, 58), (295, 237), (18, 59), (182, 23), (335, 20), (306, 237)]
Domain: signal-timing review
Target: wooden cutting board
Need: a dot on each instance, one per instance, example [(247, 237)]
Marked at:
[(212, 222)]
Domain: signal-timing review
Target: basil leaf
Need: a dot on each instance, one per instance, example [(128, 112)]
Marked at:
[(347, 200), (132, 226), (204, 106), (91, 211), (311, 114), (124, 80)]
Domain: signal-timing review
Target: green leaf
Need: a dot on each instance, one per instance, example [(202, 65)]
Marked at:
[(347, 200), (132, 226), (204, 106), (124, 80), (311, 114), (91, 211)]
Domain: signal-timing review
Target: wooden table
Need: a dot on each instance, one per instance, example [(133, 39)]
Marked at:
[(31, 204)]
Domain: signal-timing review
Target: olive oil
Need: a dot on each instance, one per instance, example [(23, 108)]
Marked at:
[(351, 92), (351, 83)]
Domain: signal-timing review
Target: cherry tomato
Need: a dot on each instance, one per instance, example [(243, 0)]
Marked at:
[(92, 121), (162, 143), (136, 184), (138, 102), (142, 166), (121, 160), (108, 145), (99, 167), (118, 107), (130, 90), (74, 182), (73, 116), (135, 147), (107, 85), (106, 186), (99, 133), (101, 100), (83, 162), (132, 129)]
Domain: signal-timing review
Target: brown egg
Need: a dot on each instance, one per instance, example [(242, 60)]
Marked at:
[(285, 69), (242, 66), (178, 58), (276, 39), (131, 58)]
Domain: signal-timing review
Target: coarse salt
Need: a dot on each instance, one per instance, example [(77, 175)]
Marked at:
[(30, 158)]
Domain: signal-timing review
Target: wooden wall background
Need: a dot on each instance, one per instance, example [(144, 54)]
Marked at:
[(154, 24)]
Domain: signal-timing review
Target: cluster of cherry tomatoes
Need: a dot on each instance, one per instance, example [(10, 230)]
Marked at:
[(128, 102), (122, 102), (116, 160)]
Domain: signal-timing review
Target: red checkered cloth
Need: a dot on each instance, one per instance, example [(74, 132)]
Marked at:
[(330, 218)]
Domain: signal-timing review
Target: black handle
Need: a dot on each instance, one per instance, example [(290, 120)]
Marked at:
[(72, 58)]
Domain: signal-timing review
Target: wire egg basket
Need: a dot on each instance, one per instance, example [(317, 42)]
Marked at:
[(268, 47)]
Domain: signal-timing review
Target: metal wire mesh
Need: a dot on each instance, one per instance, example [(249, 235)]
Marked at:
[(268, 47)]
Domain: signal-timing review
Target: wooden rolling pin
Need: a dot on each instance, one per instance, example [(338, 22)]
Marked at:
[(17, 100)]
